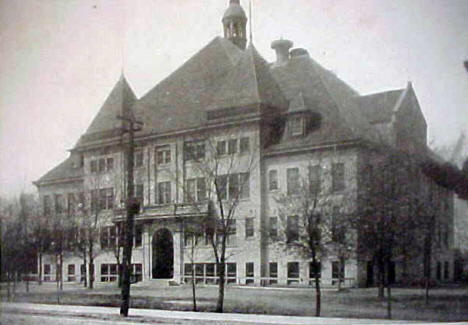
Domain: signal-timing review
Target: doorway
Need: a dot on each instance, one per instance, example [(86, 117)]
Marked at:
[(163, 255)]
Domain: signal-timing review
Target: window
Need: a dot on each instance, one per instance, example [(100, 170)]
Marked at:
[(232, 233), (237, 184), (47, 272), (102, 165), (249, 272), (195, 189), (439, 271), (292, 175), (338, 182), (93, 166), (81, 160), (446, 270), (82, 272), (138, 159), (94, 200), (337, 230), (163, 156), (139, 193), (273, 228), (293, 272), (110, 164), (292, 229), (231, 272), (221, 148), (296, 125), (314, 179), (137, 272), (108, 272), (59, 206), (70, 203), (138, 235), (273, 269), (249, 227), (46, 203), (337, 271), (106, 198), (446, 237), (232, 146), (315, 270), (244, 145), (194, 150), (164, 193), (108, 237), (273, 180), (71, 272)]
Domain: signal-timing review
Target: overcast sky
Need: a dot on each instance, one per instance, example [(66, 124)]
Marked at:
[(60, 59)]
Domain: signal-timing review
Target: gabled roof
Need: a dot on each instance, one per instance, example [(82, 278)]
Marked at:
[(65, 170), (378, 108), (249, 82), (119, 102), (180, 100)]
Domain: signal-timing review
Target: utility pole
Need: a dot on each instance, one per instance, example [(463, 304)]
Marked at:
[(132, 207)]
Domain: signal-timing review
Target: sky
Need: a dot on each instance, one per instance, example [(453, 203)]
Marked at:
[(60, 59)]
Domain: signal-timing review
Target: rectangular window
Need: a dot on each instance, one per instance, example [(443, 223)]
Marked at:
[(292, 228), (46, 272), (315, 270), (293, 271), (108, 237), (231, 272), (194, 150), (137, 272), (81, 200), (46, 203), (195, 189), (273, 228), (94, 201), (446, 270), (70, 203), (138, 235), (102, 165), (273, 269), (59, 206), (249, 227), (139, 193), (138, 159), (244, 145), (273, 180), (164, 193), (93, 166), (232, 233), (232, 146), (244, 180), (201, 189), (314, 179), (163, 156), (221, 184), (439, 271), (338, 180), (234, 186), (337, 229), (337, 271), (292, 175), (110, 164), (221, 148), (249, 272), (296, 125), (106, 198), (71, 272)]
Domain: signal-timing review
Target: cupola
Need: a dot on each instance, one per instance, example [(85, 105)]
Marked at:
[(234, 22)]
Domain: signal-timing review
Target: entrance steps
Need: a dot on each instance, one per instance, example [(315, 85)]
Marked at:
[(155, 283)]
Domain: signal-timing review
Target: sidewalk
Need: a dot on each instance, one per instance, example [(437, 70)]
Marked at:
[(150, 314)]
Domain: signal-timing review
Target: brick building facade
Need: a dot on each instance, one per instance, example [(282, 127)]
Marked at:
[(275, 121)]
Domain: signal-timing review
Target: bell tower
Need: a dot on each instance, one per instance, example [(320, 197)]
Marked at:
[(234, 22)]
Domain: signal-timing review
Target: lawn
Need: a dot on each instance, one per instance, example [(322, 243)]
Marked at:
[(446, 304)]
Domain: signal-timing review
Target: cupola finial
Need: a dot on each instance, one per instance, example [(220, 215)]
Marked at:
[(234, 22)]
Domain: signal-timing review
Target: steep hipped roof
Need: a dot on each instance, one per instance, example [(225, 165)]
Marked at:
[(379, 107), (179, 101), (248, 82), (119, 102), (65, 170)]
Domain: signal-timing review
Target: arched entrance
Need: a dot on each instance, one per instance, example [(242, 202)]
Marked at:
[(163, 255)]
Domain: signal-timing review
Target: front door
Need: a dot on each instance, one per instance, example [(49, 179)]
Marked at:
[(163, 255)]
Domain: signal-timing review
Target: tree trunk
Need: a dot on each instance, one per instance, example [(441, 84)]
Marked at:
[(194, 297), (8, 286), (91, 266), (57, 281), (427, 291), (318, 296), (27, 282), (221, 274), (15, 274), (381, 277), (85, 279)]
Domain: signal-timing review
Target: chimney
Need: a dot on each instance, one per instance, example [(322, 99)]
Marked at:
[(281, 47)]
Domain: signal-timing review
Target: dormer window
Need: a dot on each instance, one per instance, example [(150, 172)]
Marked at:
[(296, 125)]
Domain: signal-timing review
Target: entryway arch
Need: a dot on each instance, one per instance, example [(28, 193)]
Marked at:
[(163, 254)]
